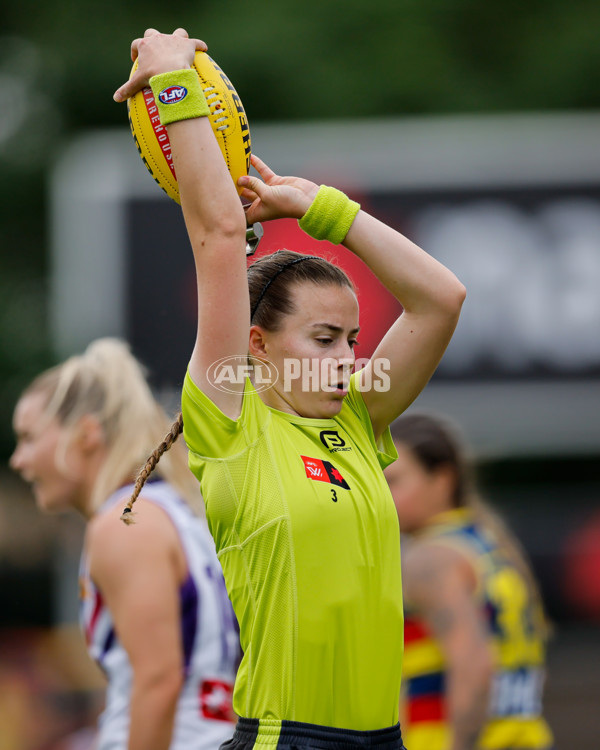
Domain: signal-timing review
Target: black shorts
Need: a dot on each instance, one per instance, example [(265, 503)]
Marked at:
[(291, 735)]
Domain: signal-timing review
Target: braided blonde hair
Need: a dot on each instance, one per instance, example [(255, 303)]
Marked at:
[(150, 465)]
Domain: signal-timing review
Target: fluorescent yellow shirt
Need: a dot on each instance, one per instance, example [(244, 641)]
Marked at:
[(307, 534)]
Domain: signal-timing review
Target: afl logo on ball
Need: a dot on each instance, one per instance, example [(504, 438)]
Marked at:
[(172, 94)]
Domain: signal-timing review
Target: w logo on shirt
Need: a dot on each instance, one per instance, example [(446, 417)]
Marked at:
[(323, 471)]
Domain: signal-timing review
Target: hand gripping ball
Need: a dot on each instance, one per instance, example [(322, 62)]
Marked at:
[(227, 118)]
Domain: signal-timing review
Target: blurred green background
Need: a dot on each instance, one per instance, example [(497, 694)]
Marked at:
[(329, 60), (61, 61)]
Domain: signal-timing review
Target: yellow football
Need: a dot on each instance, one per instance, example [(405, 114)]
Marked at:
[(227, 118)]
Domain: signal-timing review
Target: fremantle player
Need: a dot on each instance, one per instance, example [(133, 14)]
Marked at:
[(154, 608)]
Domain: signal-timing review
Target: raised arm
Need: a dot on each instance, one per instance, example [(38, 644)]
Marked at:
[(439, 584), (431, 298), (430, 294), (213, 215)]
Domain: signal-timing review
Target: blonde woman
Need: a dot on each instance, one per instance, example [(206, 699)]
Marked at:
[(154, 608)]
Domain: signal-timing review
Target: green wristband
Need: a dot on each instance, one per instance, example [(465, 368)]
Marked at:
[(179, 96), (330, 215)]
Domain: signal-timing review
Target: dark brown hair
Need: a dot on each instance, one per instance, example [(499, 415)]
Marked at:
[(174, 432), (271, 278), (435, 443)]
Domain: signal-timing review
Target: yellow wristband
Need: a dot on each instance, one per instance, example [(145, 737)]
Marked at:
[(330, 215), (179, 96)]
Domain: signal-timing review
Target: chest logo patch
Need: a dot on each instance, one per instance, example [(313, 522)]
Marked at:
[(323, 471), (332, 440)]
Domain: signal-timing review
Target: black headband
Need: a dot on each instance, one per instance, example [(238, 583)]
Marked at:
[(280, 270)]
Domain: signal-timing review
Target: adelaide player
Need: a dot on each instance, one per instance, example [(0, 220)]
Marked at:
[(154, 607), (475, 629), (307, 534)]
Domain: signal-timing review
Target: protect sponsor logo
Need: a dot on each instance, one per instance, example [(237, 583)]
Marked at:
[(241, 114), (323, 471), (332, 440), (173, 94), (216, 699), (160, 131)]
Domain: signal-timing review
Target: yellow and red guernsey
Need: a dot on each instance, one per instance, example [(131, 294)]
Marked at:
[(515, 713)]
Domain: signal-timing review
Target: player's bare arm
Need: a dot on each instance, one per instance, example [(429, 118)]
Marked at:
[(431, 297), (139, 570), (439, 584)]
